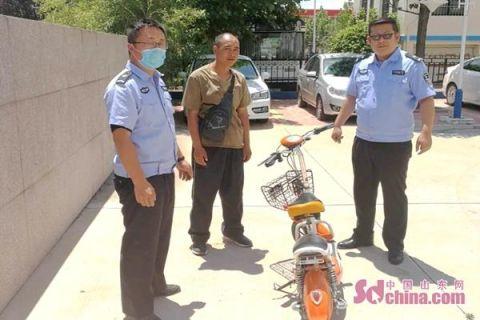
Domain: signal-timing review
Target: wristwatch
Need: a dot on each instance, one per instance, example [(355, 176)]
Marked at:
[(180, 159)]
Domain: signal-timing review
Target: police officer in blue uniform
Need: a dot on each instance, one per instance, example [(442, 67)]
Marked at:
[(141, 119), (386, 88)]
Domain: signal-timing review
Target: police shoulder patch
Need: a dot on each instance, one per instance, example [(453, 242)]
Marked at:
[(122, 79), (363, 71), (413, 57)]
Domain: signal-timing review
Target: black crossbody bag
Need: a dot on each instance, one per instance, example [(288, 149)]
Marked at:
[(217, 119)]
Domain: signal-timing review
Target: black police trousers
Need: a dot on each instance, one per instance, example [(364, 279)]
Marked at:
[(145, 243), (223, 174), (387, 164)]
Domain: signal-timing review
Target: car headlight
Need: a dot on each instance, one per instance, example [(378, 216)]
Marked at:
[(260, 95), (337, 92)]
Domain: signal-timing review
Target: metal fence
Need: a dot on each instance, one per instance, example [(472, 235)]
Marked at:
[(437, 65), (284, 73)]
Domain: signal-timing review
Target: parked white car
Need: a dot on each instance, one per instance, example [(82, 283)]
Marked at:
[(323, 80), (471, 82), (259, 109)]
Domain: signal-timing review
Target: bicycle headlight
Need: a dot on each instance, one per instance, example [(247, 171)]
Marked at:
[(260, 95)]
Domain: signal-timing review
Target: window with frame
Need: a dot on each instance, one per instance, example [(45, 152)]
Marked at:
[(451, 8), (474, 65)]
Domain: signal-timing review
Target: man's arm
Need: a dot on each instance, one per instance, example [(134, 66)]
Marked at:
[(183, 166), (427, 113), (247, 151), (144, 192), (199, 153), (342, 117)]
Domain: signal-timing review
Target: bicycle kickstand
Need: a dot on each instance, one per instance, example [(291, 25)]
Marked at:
[(283, 286)]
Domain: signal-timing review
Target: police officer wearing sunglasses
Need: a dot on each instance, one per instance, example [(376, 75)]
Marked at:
[(385, 89), (141, 119)]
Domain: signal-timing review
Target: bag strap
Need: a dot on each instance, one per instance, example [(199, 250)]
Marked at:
[(232, 83)]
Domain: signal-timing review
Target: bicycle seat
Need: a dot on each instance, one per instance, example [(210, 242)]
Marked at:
[(306, 203), (292, 141), (310, 244)]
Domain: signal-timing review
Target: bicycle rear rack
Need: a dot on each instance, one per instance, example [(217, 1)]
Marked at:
[(285, 268)]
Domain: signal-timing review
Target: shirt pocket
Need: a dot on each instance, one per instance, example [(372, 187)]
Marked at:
[(150, 109), (365, 97), (401, 81)]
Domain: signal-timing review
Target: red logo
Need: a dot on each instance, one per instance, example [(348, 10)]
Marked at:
[(316, 296)]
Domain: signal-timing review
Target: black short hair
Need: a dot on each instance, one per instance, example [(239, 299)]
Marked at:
[(132, 32), (218, 39), (377, 22)]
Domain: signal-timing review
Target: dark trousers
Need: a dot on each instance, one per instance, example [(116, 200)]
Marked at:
[(387, 164), (145, 243), (223, 174)]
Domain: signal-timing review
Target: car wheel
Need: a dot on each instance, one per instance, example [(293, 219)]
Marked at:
[(451, 90), (301, 103), (320, 112)]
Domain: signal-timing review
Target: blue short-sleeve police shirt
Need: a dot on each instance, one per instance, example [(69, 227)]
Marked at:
[(386, 94), (140, 103)]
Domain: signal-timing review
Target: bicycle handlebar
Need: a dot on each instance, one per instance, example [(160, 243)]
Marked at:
[(318, 130), (270, 161)]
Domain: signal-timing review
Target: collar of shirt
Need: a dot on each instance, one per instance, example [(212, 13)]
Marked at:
[(140, 73), (394, 57)]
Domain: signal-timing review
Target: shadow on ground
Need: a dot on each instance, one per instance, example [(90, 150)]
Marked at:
[(234, 258), (168, 309), (379, 259)]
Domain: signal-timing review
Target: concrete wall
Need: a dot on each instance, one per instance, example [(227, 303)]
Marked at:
[(55, 145)]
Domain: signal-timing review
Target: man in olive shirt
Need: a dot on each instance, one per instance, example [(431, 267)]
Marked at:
[(218, 166)]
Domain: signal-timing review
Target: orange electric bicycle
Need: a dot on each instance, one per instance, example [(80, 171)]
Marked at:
[(315, 269)]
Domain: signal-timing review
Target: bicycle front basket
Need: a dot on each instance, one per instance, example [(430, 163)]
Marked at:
[(285, 189)]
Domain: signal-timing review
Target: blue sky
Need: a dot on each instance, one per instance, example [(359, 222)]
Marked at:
[(326, 4)]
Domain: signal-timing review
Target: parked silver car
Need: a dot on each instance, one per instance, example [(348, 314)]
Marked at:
[(323, 80), (471, 82)]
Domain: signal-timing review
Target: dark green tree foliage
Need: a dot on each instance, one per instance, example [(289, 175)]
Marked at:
[(351, 33), (241, 16), (19, 8), (325, 27), (351, 39)]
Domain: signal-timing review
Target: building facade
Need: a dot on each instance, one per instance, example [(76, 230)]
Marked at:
[(445, 26)]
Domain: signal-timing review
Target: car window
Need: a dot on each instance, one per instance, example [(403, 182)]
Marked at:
[(339, 67), (316, 65), (309, 64), (244, 66), (474, 65)]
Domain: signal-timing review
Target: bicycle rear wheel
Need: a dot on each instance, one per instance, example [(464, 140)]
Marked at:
[(317, 295)]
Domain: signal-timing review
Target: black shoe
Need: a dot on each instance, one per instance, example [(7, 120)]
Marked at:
[(395, 257), (199, 249), (240, 241), (169, 290), (353, 242)]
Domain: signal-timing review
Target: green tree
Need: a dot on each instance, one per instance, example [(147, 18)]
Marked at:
[(241, 16), (351, 39), (344, 19), (352, 34), (324, 29)]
